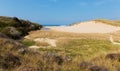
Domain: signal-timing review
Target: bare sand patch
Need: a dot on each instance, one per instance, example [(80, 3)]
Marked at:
[(46, 41), (87, 27)]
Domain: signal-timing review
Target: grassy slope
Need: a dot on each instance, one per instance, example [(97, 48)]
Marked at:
[(81, 47), (109, 22), (78, 47)]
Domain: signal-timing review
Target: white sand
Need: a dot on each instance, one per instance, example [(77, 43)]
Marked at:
[(87, 27), (51, 42), (34, 47)]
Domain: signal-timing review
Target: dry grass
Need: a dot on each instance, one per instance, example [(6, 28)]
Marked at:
[(64, 35), (42, 44), (73, 49), (82, 47), (109, 22)]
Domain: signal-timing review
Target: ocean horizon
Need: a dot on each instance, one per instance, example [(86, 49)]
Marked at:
[(53, 25)]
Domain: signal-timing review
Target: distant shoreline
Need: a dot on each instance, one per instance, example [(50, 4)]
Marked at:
[(51, 25), (48, 27), (54, 25)]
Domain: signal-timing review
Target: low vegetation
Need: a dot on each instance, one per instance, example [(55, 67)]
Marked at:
[(28, 42), (109, 22), (74, 52), (82, 52), (105, 21), (16, 28)]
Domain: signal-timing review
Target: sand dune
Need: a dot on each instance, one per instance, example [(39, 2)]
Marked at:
[(87, 27)]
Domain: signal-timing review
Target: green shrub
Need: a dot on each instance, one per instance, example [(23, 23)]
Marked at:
[(28, 43), (20, 25)]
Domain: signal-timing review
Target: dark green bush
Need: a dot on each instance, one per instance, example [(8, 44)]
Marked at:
[(22, 26), (10, 61)]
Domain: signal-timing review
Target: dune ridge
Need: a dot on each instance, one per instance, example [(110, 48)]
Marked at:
[(87, 27)]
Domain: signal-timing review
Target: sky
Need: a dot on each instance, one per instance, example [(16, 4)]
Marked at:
[(60, 12)]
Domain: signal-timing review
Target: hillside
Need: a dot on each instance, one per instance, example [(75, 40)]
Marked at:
[(13, 51), (105, 21), (16, 28), (50, 50), (109, 22), (88, 27)]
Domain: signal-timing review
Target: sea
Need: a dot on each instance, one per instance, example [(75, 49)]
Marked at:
[(47, 29)]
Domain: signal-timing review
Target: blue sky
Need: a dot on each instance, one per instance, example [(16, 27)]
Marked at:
[(60, 11)]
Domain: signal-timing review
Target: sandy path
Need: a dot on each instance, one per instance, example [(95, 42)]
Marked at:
[(112, 41)]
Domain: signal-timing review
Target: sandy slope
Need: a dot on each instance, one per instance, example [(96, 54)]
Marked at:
[(87, 27)]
